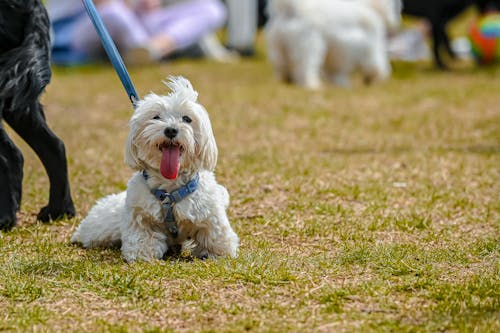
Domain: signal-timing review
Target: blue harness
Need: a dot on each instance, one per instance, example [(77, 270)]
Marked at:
[(169, 199)]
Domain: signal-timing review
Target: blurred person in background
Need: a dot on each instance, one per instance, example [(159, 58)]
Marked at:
[(143, 30)]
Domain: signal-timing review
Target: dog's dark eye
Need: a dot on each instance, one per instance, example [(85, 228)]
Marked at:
[(156, 117), (186, 119)]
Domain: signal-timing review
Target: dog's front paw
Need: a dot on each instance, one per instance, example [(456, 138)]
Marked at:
[(141, 256), (203, 254), (141, 253), (49, 213), (191, 248), (7, 222)]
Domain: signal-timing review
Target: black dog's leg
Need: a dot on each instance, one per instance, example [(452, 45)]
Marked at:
[(11, 177), (32, 127), (438, 39)]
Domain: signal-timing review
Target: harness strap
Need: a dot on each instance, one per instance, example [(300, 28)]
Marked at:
[(169, 199)]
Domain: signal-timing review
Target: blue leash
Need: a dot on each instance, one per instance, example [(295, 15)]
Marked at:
[(111, 50)]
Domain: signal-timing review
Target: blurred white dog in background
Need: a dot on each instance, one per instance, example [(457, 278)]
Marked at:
[(310, 39), (173, 199)]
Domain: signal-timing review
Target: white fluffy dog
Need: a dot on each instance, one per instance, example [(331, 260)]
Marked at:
[(174, 198), (308, 39)]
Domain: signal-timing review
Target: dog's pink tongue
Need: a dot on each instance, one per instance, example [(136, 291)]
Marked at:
[(170, 162)]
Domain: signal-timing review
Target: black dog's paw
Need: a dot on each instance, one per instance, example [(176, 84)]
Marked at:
[(441, 66), (48, 213), (7, 222)]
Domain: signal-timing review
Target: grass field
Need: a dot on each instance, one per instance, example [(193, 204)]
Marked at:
[(370, 209)]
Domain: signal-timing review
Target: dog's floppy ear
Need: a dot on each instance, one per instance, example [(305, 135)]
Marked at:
[(130, 154), (207, 147), (130, 150)]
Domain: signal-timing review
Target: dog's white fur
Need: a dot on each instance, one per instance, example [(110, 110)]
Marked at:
[(308, 39), (134, 217)]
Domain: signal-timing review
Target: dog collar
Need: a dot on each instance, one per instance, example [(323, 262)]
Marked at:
[(168, 199)]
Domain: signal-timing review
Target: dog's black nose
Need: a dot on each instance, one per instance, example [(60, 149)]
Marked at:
[(170, 132)]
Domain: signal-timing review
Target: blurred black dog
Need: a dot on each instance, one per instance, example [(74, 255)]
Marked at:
[(439, 13), (24, 73)]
